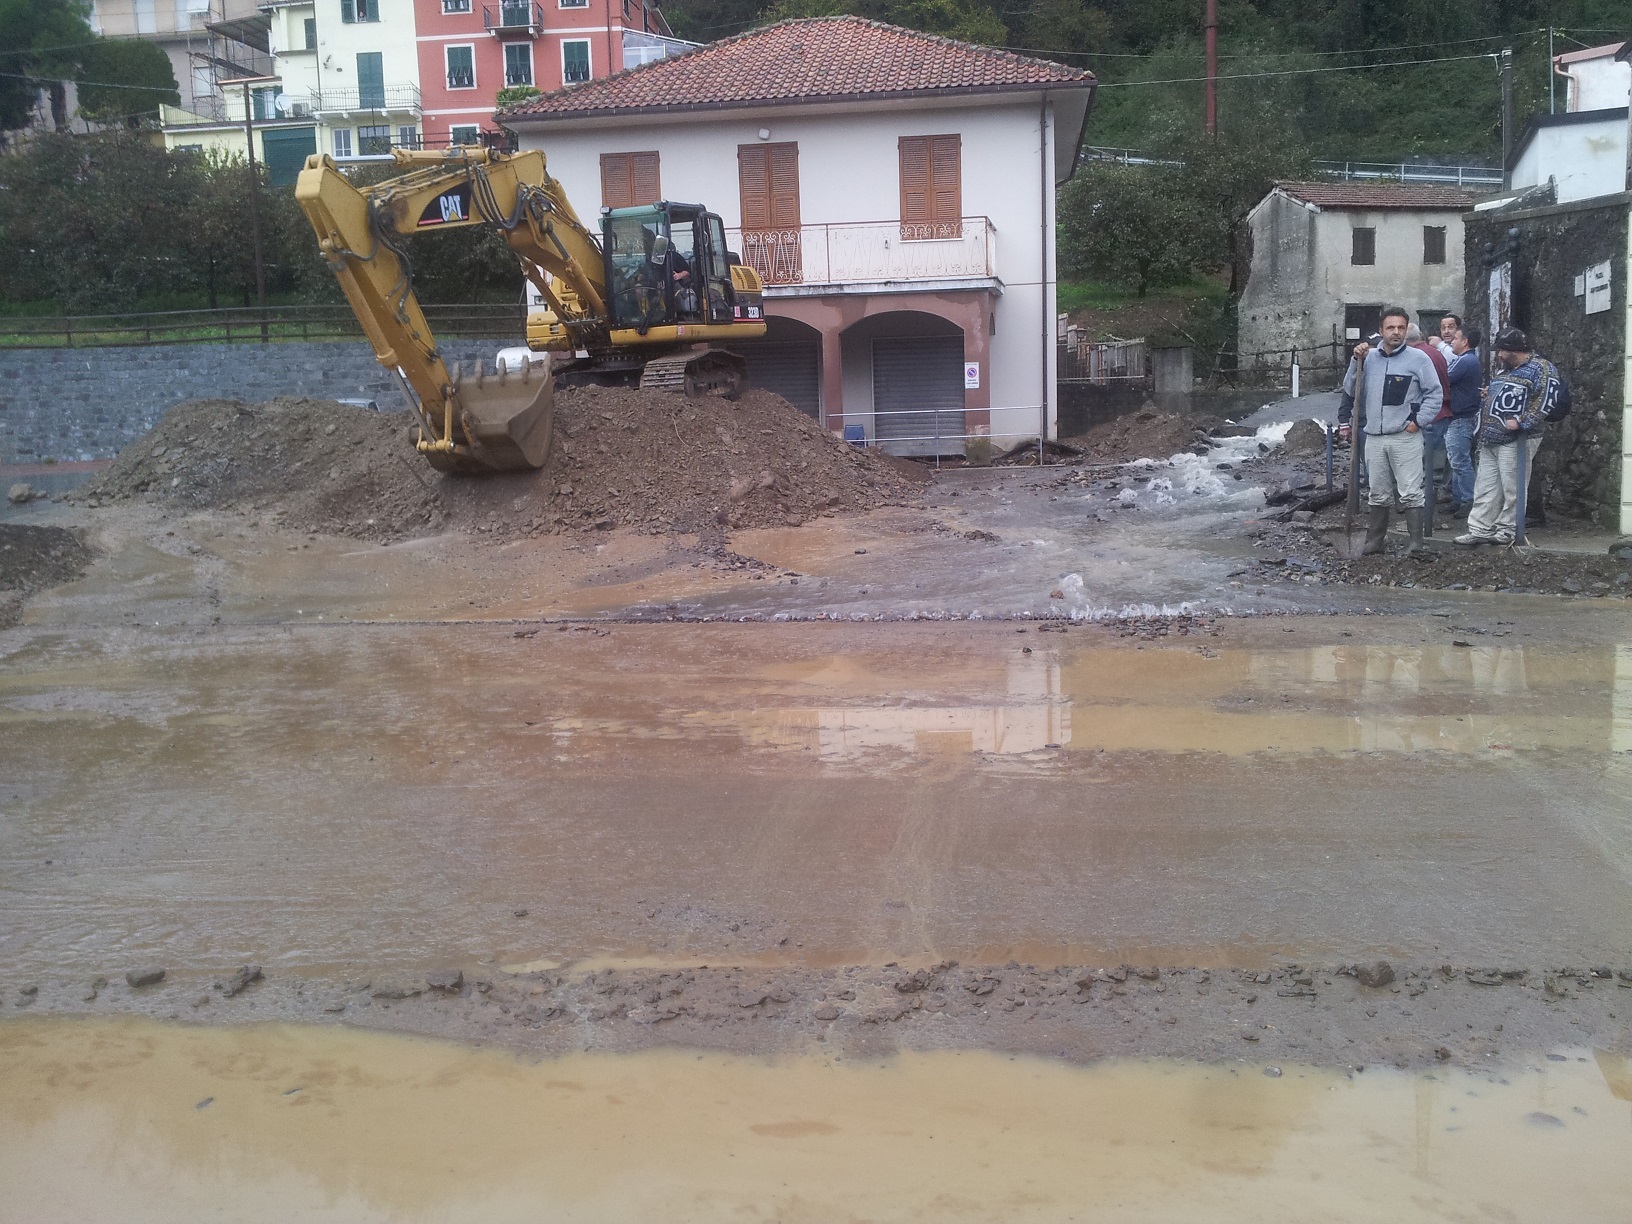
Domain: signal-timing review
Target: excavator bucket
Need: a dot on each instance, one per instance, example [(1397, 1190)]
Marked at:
[(506, 420)]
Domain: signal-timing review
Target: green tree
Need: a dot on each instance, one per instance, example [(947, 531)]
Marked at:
[(125, 80), (1131, 225), (43, 40), (513, 94)]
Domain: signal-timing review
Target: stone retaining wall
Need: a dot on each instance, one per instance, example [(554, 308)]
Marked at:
[(1579, 464), (77, 404)]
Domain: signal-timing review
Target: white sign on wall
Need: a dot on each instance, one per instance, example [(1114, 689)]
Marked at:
[(1598, 288), (971, 376)]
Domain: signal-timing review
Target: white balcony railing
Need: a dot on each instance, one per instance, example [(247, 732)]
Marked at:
[(869, 252), (388, 99)]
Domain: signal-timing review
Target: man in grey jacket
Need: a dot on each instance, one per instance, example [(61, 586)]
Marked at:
[(1401, 386)]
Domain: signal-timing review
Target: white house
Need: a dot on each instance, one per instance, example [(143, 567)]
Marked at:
[(1327, 257), (894, 189), (1581, 150)]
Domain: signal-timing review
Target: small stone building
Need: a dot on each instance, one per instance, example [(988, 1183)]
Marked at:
[(1327, 257)]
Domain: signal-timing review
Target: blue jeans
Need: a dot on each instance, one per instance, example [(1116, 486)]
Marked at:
[(1459, 435)]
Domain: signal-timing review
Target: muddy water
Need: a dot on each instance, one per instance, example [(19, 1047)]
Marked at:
[(349, 798), (131, 1121)]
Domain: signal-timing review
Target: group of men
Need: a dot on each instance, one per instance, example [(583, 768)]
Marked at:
[(1419, 398)]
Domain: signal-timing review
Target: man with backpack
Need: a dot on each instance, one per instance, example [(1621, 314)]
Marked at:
[(1520, 401)]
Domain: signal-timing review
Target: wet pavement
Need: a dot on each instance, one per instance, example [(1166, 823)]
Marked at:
[(1006, 746), (137, 1122)]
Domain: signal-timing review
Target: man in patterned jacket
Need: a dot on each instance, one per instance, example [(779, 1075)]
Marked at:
[(1517, 406)]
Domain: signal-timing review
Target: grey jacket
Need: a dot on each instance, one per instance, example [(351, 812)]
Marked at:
[(1401, 386)]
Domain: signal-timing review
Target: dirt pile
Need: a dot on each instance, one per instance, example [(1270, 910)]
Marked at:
[(1146, 434), (33, 558), (1303, 439), (621, 458)]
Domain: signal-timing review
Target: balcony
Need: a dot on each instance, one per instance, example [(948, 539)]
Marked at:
[(513, 20), (387, 100), (871, 253)]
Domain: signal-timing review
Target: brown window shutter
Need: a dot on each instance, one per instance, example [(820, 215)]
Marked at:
[(646, 183), (784, 185), (754, 175), (914, 180), (931, 186), (628, 179)]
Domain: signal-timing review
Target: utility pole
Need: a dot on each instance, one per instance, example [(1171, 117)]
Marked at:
[(1507, 118), (255, 206), (1212, 67), (1552, 70)]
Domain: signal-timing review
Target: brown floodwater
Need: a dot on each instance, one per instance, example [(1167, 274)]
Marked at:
[(131, 1121), (316, 798)]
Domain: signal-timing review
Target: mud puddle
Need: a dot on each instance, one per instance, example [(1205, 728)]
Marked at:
[(133, 1121)]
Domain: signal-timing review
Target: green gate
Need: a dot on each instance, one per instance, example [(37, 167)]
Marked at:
[(286, 151)]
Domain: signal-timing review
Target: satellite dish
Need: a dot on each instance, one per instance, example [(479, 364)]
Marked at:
[(282, 103)]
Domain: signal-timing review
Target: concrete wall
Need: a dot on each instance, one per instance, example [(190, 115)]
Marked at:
[(1581, 465), (849, 171), (1301, 274), (1585, 158), (74, 404)]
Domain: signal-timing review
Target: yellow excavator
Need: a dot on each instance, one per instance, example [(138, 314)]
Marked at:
[(649, 299)]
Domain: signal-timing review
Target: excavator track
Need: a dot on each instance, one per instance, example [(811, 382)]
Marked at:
[(697, 373)]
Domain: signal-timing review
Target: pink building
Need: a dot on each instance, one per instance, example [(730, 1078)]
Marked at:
[(471, 49)]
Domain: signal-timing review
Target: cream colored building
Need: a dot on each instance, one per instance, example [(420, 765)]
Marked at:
[(1327, 257), (341, 77)]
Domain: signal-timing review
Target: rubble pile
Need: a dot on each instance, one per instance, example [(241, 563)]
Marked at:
[(33, 558), (1146, 434), (623, 458)]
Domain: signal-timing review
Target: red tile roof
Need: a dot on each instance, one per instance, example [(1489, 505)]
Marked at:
[(804, 60), (1378, 195)]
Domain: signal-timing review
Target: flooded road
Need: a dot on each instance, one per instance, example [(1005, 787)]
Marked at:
[(326, 798), (136, 1122)]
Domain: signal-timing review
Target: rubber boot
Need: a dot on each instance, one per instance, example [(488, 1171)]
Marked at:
[(1376, 530), (1413, 524)]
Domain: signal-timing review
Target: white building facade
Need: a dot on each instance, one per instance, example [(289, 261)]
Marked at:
[(896, 193)]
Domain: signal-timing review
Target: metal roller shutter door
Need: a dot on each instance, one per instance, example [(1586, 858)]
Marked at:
[(918, 395), (791, 370)]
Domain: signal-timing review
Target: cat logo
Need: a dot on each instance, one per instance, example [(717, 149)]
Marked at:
[(449, 207)]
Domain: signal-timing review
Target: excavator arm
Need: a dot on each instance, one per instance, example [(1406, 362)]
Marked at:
[(486, 422)]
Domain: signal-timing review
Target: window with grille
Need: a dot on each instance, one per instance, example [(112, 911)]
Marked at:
[(464, 134), (628, 179), (574, 61), (342, 142), (1364, 250), (1433, 244), (931, 187), (461, 67), (518, 63), (374, 140)]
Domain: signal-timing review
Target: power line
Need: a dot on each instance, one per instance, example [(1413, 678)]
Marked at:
[(45, 80), (46, 50), (1251, 76), (1460, 42)]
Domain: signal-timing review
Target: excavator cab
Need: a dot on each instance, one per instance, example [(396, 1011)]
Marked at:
[(668, 266)]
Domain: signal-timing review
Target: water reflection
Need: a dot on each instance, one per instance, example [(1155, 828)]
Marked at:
[(132, 1121), (1488, 699)]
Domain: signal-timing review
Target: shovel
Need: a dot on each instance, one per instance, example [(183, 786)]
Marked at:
[(1351, 541)]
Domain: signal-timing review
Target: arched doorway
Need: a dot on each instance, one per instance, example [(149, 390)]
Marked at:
[(912, 362), (787, 361)]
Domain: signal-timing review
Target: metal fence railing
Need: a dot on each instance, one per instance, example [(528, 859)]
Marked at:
[(1106, 363), (247, 325)]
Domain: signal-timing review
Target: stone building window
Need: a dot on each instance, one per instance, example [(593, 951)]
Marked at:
[(1433, 244), (1365, 245)]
